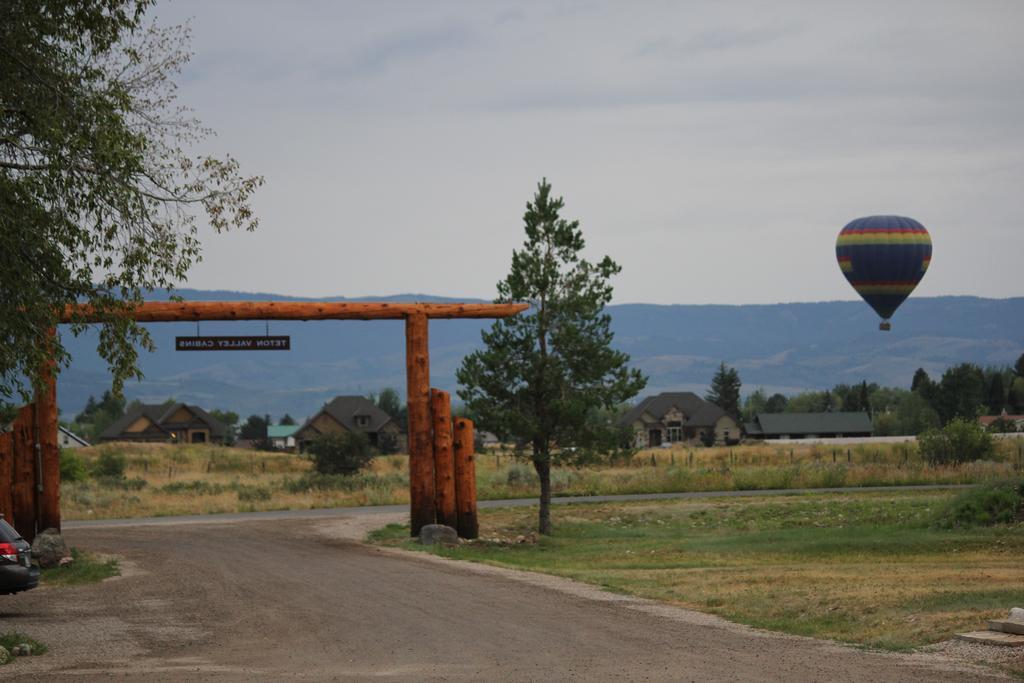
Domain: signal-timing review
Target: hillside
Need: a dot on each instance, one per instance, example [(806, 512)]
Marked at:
[(782, 347)]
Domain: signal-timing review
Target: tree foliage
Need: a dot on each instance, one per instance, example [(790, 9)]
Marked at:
[(255, 428), (962, 440), (776, 403), (99, 193), (230, 420), (390, 402), (754, 403), (725, 390), (344, 453), (543, 374), (98, 415), (1016, 396), (961, 393), (996, 395)]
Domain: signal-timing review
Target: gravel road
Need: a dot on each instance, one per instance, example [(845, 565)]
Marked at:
[(302, 599)]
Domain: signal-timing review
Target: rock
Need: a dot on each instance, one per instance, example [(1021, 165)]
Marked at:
[(49, 549), (23, 650), (992, 638), (5, 656), (438, 533), (1012, 624)]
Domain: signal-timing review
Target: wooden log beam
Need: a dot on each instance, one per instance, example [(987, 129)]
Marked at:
[(444, 459), (49, 456), (190, 311), (23, 475), (6, 475), (465, 479), (421, 448)]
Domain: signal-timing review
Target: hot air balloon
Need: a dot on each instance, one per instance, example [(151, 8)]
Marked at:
[(884, 257)]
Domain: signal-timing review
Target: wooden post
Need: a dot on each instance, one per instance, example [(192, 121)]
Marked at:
[(421, 455), (444, 459), (6, 475), (48, 490), (23, 480), (465, 478)]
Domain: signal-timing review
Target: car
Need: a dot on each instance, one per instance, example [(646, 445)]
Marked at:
[(17, 573)]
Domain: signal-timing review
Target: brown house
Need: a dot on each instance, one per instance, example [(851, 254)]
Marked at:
[(354, 414), (678, 417), (162, 423)]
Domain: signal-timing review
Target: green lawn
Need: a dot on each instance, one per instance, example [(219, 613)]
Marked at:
[(856, 567)]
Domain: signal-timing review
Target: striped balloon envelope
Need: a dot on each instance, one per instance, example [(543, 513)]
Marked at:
[(884, 257)]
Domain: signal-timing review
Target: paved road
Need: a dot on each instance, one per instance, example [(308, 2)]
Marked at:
[(291, 599)]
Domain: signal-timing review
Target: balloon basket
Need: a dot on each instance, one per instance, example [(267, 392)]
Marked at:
[(885, 325)]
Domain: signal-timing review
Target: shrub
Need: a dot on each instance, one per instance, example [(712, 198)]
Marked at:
[(341, 453), (519, 475), (959, 441), (115, 482), (194, 487), (993, 503), (253, 494), (72, 466), (109, 464), (1002, 426), (344, 482)]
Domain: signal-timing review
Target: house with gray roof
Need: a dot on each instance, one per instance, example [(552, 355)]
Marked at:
[(809, 425), (354, 414), (166, 423), (678, 417)]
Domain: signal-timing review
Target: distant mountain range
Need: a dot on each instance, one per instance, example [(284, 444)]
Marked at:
[(780, 347)]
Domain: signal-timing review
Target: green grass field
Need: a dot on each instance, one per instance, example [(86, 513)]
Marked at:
[(864, 568)]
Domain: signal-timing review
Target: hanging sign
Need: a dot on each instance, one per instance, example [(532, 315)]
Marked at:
[(266, 343)]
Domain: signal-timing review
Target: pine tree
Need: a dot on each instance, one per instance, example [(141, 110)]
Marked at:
[(920, 381), (725, 390), (865, 399), (544, 374)]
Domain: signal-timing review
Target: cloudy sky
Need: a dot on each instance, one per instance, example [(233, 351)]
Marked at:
[(714, 149)]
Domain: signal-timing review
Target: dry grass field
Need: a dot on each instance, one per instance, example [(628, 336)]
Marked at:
[(159, 479)]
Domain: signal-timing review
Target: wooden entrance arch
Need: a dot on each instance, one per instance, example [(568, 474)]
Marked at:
[(44, 478)]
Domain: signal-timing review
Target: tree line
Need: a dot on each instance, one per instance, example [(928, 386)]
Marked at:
[(964, 391)]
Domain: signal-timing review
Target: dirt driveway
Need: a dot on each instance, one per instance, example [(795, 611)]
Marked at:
[(298, 599)]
